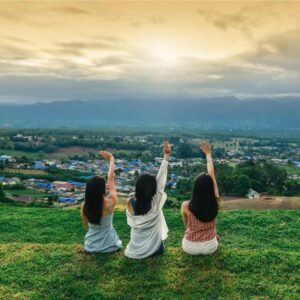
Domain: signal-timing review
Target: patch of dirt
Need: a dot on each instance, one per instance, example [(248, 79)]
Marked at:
[(65, 151), (262, 203)]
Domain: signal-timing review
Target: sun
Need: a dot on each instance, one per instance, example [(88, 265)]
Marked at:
[(163, 53)]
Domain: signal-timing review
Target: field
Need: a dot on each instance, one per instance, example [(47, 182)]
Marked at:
[(41, 257), (75, 150), (291, 170), (34, 193), (25, 171), (231, 203)]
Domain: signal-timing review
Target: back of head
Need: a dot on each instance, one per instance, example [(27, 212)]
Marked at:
[(94, 198), (145, 189), (204, 203)]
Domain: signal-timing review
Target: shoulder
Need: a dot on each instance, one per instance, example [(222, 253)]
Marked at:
[(185, 205), (129, 206), (129, 201)]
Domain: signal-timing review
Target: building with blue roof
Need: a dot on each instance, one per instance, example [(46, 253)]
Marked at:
[(38, 165), (134, 162), (66, 200), (77, 184), (43, 185)]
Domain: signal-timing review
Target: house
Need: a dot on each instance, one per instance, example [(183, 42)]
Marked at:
[(38, 165), (296, 163), (2, 180), (77, 185), (43, 185), (63, 185), (252, 194), (5, 157), (11, 181), (134, 162), (66, 200), (171, 184), (30, 182)]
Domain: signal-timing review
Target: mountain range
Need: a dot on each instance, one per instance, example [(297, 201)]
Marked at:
[(226, 112)]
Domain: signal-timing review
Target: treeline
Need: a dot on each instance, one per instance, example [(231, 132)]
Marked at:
[(261, 176), (52, 174)]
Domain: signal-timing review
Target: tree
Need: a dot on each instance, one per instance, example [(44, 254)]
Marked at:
[(184, 186), (184, 151), (227, 185), (242, 186), (2, 194), (291, 188), (52, 199)]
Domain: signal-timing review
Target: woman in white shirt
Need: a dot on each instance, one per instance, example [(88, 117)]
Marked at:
[(144, 213)]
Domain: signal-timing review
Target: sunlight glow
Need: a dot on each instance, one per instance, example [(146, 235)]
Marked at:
[(164, 53)]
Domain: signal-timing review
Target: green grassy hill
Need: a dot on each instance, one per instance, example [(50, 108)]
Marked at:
[(41, 258)]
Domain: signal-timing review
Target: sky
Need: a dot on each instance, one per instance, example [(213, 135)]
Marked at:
[(65, 50)]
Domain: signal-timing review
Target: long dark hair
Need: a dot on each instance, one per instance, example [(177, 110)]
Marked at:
[(145, 189), (204, 204), (94, 198)]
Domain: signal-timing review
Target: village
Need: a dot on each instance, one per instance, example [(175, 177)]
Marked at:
[(62, 193), (71, 192)]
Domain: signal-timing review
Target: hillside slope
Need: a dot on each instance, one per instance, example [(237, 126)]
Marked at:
[(41, 258), (219, 113)]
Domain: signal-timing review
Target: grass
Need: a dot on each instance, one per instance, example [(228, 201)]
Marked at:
[(41, 258), (291, 170)]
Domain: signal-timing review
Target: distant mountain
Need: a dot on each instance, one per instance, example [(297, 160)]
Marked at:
[(228, 112)]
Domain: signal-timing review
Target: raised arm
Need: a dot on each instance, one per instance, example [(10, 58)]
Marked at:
[(206, 148), (161, 177), (110, 176)]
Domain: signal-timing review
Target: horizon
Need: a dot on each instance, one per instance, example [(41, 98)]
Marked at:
[(191, 100), (62, 51)]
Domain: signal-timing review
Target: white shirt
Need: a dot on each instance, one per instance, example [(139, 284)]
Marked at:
[(147, 231)]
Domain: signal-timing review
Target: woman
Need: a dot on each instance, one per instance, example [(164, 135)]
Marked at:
[(97, 212), (144, 213), (200, 213)]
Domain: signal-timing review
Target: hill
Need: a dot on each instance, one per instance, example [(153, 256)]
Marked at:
[(214, 113), (41, 258)]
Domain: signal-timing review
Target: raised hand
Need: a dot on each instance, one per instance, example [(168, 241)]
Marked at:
[(167, 148), (107, 155), (206, 148)]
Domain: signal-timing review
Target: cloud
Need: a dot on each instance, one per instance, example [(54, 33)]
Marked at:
[(157, 19), (9, 51), (73, 10), (88, 65), (247, 18), (97, 43), (224, 21), (9, 16), (281, 51), (14, 39)]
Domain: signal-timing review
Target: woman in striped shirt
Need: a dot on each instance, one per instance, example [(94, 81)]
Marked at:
[(200, 213)]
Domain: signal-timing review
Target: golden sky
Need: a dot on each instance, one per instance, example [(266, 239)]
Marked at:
[(56, 50)]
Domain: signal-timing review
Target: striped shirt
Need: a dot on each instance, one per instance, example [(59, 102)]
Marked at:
[(197, 231)]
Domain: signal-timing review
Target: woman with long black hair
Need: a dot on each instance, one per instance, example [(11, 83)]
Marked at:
[(97, 212), (200, 213), (144, 213)]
